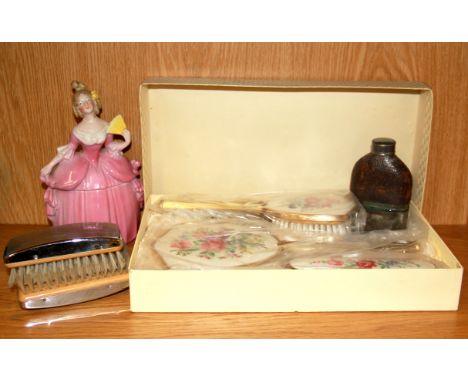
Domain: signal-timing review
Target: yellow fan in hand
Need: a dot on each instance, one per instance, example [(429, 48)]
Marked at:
[(117, 125)]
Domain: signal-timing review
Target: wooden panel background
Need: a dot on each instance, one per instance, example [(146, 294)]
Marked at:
[(36, 116)]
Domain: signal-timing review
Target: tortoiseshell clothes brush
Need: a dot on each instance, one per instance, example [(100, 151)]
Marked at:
[(67, 264)]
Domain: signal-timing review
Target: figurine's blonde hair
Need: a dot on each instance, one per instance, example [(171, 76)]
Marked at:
[(80, 88)]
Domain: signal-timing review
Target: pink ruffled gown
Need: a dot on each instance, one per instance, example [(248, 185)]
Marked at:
[(94, 185)]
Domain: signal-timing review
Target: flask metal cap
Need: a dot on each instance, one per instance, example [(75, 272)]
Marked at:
[(383, 146)]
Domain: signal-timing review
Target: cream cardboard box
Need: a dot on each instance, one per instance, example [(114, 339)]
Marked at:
[(236, 138)]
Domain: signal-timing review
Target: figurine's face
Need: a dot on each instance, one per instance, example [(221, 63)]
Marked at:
[(85, 104)]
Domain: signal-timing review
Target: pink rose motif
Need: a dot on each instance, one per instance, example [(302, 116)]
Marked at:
[(213, 245), (335, 263), (316, 202), (182, 244), (366, 264), (311, 201)]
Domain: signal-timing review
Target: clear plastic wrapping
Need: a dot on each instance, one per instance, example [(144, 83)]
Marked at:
[(315, 230)]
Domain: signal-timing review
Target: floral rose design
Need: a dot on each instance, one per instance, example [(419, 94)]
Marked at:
[(213, 245), (182, 244), (360, 264), (216, 244), (316, 202), (366, 264), (336, 263), (313, 202)]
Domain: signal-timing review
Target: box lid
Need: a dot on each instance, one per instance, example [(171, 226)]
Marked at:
[(239, 137)]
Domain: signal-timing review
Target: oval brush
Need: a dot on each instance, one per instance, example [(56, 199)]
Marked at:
[(320, 212), (67, 264)]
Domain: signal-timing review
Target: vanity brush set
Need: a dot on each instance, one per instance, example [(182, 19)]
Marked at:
[(79, 262), (288, 226)]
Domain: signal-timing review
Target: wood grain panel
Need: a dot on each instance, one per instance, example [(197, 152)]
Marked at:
[(36, 116)]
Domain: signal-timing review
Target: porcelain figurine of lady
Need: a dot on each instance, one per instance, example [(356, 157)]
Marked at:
[(97, 183)]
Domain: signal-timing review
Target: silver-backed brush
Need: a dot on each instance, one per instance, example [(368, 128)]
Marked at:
[(67, 264)]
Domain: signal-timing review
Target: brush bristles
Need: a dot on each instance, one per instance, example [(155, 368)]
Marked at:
[(37, 277), (332, 229)]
